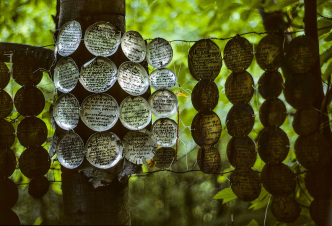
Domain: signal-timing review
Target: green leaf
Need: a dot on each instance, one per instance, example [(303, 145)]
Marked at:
[(226, 195), (280, 5), (253, 222), (324, 57), (328, 72), (261, 201), (150, 2), (328, 38), (245, 15)]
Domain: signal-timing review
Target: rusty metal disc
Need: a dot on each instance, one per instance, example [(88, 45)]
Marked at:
[(26, 71), (205, 95), (245, 184), (7, 134), (273, 145), (7, 162), (301, 54), (34, 161), (239, 87), (240, 120), (270, 85), (241, 152), (4, 75), (238, 54), (209, 160), (32, 131), (206, 128), (272, 113), (8, 193), (318, 182), (269, 52), (285, 209), (38, 186), (204, 60), (6, 104), (306, 121), (300, 90), (8, 217), (164, 157), (312, 151), (278, 179), (29, 101)]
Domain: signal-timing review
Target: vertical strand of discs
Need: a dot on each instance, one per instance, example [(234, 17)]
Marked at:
[(273, 142), (312, 149), (239, 89), (204, 63)]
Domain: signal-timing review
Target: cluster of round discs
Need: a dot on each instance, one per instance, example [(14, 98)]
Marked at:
[(239, 89), (204, 61), (273, 142), (312, 149)]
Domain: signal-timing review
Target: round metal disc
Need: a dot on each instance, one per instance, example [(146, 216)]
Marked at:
[(102, 39), (7, 134), (139, 146), (205, 95), (32, 131), (159, 53), (245, 184), (318, 182), (204, 60), (7, 162), (269, 52), (8, 217), (270, 85), (69, 38), (240, 120), (239, 87), (26, 71), (165, 132), (320, 211), (278, 179), (209, 160), (4, 75), (34, 161), (29, 101), (100, 112), (272, 113), (300, 90), (241, 152), (163, 103), (206, 128), (135, 113), (273, 145), (162, 79), (103, 150), (285, 209), (66, 75), (70, 150), (8, 193), (313, 151), (306, 121), (133, 46), (238, 54), (301, 54), (6, 104), (133, 78), (164, 157), (66, 111), (38, 186)]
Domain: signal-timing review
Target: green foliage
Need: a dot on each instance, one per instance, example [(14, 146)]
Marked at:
[(226, 195)]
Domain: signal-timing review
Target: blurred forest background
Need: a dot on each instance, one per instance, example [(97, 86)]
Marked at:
[(166, 198)]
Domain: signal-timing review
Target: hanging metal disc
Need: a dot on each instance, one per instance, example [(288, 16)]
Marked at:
[(34, 161), (133, 46), (26, 71), (206, 128), (164, 157), (163, 103), (272, 113), (99, 112), (239, 87), (318, 182), (165, 132), (4, 75), (159, 53), (135, 113), (241, 152), (306, 121), (7, 134), (162, 79), (205, 95), (66, 75), (6, 104), (240, 120), (32, 131), (238, 54), (66, 111), (320, 211), (285, 209), (102, 39), (29, 101), (69, 38), (270, 85), (8, 217), (204, 60), (7, 162), (209, 160), (8, 193), (38, 186), (133, 78)]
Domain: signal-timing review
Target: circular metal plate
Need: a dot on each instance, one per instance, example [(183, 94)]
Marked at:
[(69, 38), (38, 186), (320, 211), (270, 85), (7, 134), (164, 157), (272, 113), (163, 103), (204, 60), (8, 193), (285, 209), (102, 39), (209, 160), (7, 162), (241, 152), (205, 95), (4, 75), (29, 101), (159, 53), (133, 46), (66, 111), (318, 182), (8, 217), (306, 121), (26, 71), (103, 150), (32, 131), (239, 87), (66, 75), (162, 79), (6, 104), (165, 132), (240, 120)]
